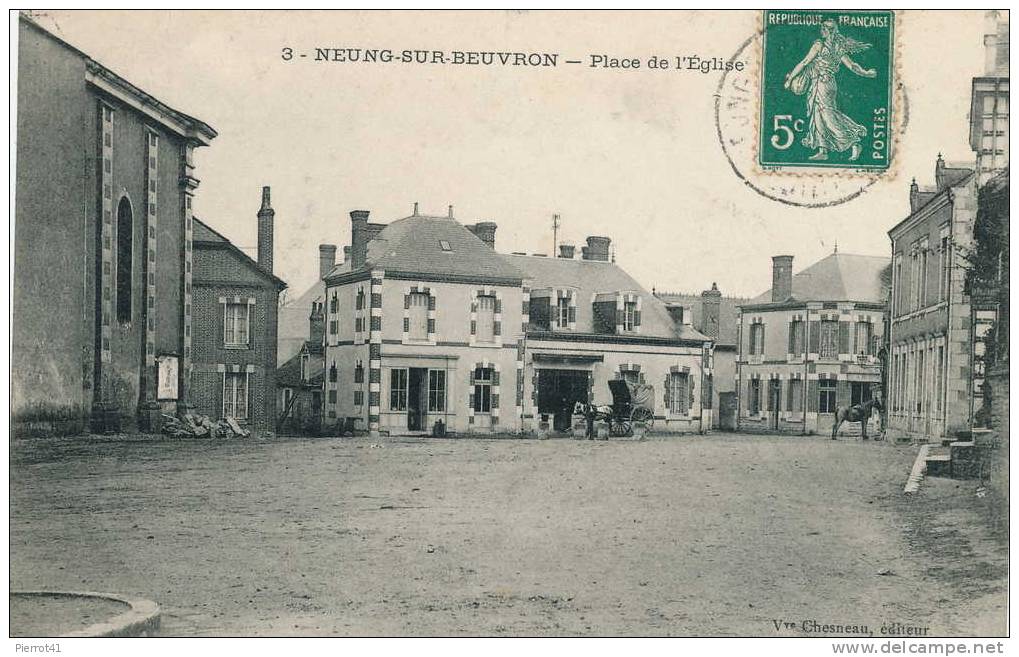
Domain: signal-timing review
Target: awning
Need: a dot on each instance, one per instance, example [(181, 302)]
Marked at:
[(566, 357)]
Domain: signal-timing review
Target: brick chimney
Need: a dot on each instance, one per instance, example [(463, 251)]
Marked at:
[(485, 230), (597, 248), (781, 277), (711, 310), (358, 238), (265, 228), (567, 251), (326, 259), (317, 323)]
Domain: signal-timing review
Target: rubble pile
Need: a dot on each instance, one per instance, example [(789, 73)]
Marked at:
[(202, 426)]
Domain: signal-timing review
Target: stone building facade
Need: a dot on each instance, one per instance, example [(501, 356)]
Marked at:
[(433, 325), (104, 188), (716, 316), (938, 333), (811, 344), (235, 310)]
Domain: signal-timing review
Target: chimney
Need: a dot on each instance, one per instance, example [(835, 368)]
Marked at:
[(326, 259), (317, 323), (485, 230), (995, 45), (265, 224), (781, 277), (451, 212), (567, 251), (358, 238), (346, 253), (597, 248), (711, 307)]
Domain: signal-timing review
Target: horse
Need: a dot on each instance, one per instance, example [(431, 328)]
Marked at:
[(858, 413)]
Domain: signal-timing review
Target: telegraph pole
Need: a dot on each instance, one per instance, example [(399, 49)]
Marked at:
[(555, 233)]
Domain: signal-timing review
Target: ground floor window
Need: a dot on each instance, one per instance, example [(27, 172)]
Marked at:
[(398, 390), (826, 398), (483, 390), (755, 397), (678, 397), (795, 403), (235, 395), (436, 391), (859, 393)]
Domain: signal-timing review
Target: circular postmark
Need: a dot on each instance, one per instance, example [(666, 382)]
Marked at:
[(737, 122)]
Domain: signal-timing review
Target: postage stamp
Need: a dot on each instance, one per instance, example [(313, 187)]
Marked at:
[(826, 89)]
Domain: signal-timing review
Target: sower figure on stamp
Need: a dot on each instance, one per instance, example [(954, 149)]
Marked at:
[(828, 128), (858, 413)]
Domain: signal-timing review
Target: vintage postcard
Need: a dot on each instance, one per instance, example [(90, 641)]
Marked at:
[(511, 323)]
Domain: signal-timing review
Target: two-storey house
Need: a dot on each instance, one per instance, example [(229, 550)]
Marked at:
[(811, 344), (234, 333), (431, 324)]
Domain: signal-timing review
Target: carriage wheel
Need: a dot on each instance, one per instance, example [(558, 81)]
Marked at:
[(619, 426), (645, 416)]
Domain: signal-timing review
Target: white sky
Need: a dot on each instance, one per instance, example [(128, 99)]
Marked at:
[(631, 155)]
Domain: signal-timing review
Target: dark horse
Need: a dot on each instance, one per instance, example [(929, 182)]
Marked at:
[(859, 413)]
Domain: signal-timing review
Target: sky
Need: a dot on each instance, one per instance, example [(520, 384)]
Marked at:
[(630, 154)]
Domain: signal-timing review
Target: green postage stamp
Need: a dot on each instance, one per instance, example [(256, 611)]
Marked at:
[(826, 89)]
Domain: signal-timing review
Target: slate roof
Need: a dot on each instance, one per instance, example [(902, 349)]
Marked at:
[(288, 375), (949, 176), (203, 234), (592, 277), (727, 313), (412, 245), (838, 277)]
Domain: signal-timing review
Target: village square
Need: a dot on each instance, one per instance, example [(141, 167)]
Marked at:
[(438, 436)]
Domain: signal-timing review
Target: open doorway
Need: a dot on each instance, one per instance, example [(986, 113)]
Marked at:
[(558, 393), (417, 398)]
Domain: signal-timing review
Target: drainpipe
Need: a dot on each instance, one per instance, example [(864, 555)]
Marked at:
[(804, 386), (739, 370)]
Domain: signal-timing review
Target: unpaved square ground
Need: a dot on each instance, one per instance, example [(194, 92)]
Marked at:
[(711, 535)]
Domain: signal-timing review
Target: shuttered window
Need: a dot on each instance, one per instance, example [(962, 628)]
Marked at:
[(486, 319), (829, 340), (418, 314), (863, 338), (679, 398)]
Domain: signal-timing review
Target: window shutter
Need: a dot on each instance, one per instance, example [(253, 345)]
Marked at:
[(750, 396), (665, 387), (815, 339), (431, 302), (707, 392), (844, 337), (620, 316), (431, 325), (406, 302), (843, 391), (789, 397), (498, 306), (690, 386), (792, 336), (495, 377), (572, 315), (636, 318), (762, 339), (812, 395), (770, 398)]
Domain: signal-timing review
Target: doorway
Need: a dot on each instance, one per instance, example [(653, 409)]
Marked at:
[(774, 401), (558, 392), (417, 398)]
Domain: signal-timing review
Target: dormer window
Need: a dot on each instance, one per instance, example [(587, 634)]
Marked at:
[(444, 245), (630, 316)]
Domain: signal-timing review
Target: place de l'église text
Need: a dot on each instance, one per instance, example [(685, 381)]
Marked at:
[(692, 62)]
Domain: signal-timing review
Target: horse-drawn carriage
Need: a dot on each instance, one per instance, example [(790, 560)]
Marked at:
[(631, 403)]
